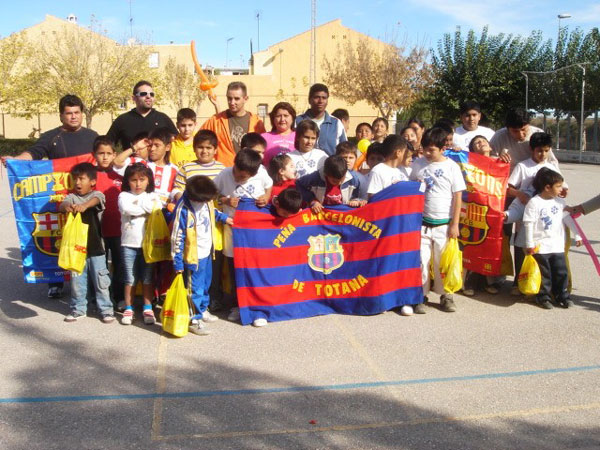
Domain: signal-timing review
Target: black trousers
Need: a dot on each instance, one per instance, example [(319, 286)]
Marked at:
[(555, 277)]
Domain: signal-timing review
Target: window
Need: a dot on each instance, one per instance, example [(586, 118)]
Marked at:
[(153, 60), (262, 111)]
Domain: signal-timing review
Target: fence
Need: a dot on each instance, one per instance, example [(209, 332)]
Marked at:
[(566, 134)]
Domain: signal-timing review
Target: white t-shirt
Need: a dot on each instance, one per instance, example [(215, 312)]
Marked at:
[(462, 138), (442, 180), (134, 211), (308, 162), (382, 176), (253, 188), (544, 222), (203, 229), (523, 174)]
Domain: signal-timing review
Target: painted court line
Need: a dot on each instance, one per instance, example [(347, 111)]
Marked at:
[(401, 423), (332, 387)]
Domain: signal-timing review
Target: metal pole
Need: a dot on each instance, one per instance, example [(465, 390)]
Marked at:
[(581, 143), (526, 91)]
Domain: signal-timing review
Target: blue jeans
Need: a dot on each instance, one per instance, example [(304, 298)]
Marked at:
[(135, 268), (200, 286), (96, 273)]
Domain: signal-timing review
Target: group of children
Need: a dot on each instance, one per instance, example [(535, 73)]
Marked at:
[(198, 196)]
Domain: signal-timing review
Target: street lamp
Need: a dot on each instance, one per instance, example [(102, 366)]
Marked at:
[(562, 16), (227, 52)]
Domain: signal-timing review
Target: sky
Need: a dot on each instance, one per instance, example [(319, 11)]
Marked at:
[(211, 24)]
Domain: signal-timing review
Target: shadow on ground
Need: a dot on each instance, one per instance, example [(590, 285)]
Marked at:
[(345, 418)]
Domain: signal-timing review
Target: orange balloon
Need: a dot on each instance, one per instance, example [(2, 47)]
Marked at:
[(208, 85)]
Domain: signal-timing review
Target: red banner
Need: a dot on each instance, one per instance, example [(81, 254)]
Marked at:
[(482, 214)]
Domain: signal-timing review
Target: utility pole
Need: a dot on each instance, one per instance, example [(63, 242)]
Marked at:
[(313, 42), (227, 51), (258, 31)]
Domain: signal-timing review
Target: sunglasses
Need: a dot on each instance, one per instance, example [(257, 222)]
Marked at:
[(144, 94)]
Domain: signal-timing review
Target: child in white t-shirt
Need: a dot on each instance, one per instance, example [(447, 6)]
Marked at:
[(306, 157), (520, 187), (391, 170), (444, 184), (544, 221), (244, 179)]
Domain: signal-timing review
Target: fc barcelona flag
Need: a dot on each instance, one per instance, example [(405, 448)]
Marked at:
[(37, 188), (482, 215), (344, 260)]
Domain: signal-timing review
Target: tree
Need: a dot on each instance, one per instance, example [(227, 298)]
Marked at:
[(14, 50), (386, 76), (87, 63), (572, 49), (179, 86), (486, 69)]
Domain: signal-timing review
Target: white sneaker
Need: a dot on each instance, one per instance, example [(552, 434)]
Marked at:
[(515, 291), (194, 321), (200, 329), (234, 315), (208, 317), (260, 322), (406, 310)]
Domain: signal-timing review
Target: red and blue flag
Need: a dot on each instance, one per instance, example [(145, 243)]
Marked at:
[(343, 261), (37, 188)]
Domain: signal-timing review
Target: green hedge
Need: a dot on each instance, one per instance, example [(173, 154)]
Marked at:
[(12, 147)]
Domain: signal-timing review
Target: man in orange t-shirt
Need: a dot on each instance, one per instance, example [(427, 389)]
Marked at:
[(230, 126)]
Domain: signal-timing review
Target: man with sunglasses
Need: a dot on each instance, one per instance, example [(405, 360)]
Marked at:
[(142, 118)]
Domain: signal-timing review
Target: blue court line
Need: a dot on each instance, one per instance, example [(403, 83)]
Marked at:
[(331, 387)]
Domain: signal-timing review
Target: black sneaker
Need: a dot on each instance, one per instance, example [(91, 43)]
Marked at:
[(448, 303), (55, 292), (567, 303), (73, 317), (419, 309), (546, 304)]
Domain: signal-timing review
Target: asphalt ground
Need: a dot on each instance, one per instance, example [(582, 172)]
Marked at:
[(498, 373)]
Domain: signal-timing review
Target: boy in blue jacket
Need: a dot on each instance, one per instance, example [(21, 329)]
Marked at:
[(333, 184), (192, 244)]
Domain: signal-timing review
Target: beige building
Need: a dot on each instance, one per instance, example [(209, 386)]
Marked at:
[(278, 73)]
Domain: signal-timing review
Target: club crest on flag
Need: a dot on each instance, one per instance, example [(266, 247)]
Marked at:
[(48, 231), (473, 224), (325, 253)]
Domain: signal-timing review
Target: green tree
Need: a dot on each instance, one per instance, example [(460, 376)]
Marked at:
[(388, 77), (87, 63), (485, 68), (15, 56), (572, 49), (179, 86)]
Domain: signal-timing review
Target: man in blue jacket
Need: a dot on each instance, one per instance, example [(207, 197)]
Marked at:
[(331, 130)]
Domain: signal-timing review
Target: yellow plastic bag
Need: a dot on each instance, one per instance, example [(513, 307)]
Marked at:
[(157, 239), (451, 266), (73, 244), (530, 277), (175, 314)]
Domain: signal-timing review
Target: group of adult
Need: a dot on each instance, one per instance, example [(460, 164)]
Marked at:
[(71, 138)]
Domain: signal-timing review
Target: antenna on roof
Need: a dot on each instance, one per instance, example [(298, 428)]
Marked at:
[(313, 42), (130, 20)]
